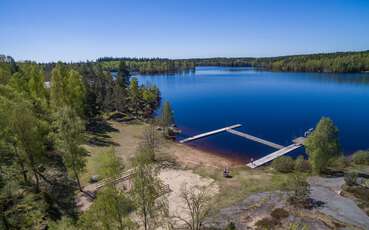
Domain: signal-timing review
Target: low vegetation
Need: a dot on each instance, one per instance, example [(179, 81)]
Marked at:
[(361, 158), (283, 164)]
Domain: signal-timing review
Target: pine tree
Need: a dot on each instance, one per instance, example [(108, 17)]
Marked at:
[(134, 94), (75, 92), (58, 86), (167, 115), (123, 75)]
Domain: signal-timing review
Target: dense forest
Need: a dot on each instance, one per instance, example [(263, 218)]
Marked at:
[(148, 65), (324, 62), (330, 62), (42, 128)]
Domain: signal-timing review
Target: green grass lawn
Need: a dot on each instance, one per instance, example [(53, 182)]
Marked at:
[(244, 182)]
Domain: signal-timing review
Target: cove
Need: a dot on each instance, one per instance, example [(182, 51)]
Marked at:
[(276, 106)]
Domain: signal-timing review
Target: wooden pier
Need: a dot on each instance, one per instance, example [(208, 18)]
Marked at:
[(282, 150), (209, 133), (274, 155), (256, 139)]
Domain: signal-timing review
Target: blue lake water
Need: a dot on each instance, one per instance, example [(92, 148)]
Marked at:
[(276, 106)]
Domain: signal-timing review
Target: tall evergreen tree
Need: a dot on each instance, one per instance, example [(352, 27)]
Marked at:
[(58, 86), (123, 75), (134, 95), (166, 117), (75, 92)]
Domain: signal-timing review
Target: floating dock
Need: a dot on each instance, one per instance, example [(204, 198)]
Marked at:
[(209, 133), (256, 139), (282, 150)]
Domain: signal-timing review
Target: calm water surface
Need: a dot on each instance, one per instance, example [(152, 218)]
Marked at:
[(274, 106)]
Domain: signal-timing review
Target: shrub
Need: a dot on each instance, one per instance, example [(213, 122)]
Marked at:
[(302, 165), (339, 163), (266, 223), (283, 164), (350, 179), (231, 226), (361, 157), (359, 192), (279, 213), (300, 194)]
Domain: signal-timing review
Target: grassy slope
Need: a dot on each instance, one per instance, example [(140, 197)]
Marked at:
[(245, 181)]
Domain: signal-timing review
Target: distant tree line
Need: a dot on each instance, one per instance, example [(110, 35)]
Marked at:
[(325, 62), (322, 62), (329, 62), (148, 65)]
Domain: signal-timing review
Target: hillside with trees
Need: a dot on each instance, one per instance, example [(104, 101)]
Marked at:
[(43, 128)]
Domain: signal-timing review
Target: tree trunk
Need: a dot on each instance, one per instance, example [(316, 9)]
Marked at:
[(37, 188), (77, 178), (24, 172)]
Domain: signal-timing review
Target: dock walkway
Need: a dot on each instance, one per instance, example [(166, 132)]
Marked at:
[(209, 133), (256, 139), (273, 156)]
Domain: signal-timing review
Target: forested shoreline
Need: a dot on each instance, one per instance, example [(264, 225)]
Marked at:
[(338, 62)]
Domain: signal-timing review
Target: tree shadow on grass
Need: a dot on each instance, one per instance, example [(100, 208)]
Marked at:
[(101, 127), (100, 134), (102, 142)]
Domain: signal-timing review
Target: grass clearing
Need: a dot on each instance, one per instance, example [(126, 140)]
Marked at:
[(123, 138), (126, 137), (244, 182)]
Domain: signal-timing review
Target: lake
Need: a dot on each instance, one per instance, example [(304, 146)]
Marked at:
[(276, 106)]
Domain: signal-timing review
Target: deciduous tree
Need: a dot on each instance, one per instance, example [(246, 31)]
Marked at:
[(147, 193), (69, 138), (322, 145)]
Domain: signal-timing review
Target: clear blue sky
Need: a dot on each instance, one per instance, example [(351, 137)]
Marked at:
[(80, 30)]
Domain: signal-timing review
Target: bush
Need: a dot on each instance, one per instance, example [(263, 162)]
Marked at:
[(302, 165), (231, 226), (359, 192), (350, 179), (361, 157), (300, 194), (283, 164), (266, 223), (279, 213), (339, 163)]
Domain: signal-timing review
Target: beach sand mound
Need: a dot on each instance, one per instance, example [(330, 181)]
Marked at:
[(179, 178)]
